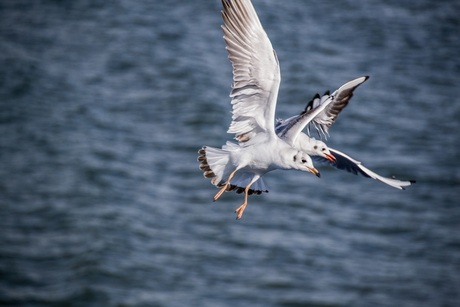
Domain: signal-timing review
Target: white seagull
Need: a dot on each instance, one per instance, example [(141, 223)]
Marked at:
[(256, 80), (317, 149)]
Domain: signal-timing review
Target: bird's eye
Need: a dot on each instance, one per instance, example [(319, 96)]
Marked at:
[(323, 149), (304, 161)]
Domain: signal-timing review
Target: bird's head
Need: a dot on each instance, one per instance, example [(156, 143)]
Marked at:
[(317, 148), (303, 162)]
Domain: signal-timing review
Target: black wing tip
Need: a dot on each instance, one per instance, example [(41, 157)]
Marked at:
[(316, 96), (411, 181), (309, 105)]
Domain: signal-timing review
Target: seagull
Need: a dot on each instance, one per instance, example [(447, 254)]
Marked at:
[(256, 80), (317, 149)]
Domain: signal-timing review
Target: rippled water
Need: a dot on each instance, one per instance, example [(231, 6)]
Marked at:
[(103, 105)]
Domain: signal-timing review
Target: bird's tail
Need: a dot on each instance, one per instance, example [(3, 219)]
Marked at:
[(214, 162), (216, 165)]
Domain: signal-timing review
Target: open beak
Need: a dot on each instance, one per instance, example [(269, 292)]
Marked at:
[(314, 171), (330, 157)]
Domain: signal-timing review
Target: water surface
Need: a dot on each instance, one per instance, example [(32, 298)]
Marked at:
[(103, 106)]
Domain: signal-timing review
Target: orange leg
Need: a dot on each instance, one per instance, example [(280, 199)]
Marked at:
[(240, 210), (224, 187)]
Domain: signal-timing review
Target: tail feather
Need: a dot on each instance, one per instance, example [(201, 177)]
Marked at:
[(215, 164)]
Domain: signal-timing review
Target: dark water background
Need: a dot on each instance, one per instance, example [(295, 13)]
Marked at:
[(103, 105)]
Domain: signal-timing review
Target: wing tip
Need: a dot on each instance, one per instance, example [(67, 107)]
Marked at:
[(404, 184)]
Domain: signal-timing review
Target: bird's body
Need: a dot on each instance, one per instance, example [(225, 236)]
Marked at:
[(240, 168), (257, 159)]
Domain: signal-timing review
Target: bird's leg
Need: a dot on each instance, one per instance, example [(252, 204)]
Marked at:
[(240, 210), (224, 187)]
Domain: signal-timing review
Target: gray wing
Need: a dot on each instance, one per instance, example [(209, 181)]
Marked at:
[(346, 163), (342, 96), (321, 111)]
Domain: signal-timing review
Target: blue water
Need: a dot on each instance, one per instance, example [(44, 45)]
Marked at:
[(104, 104)]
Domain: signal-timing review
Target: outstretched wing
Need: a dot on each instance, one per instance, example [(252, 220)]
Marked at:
[(342, 96), (346, 163), (256, 73), (322, 111), (289, 129)]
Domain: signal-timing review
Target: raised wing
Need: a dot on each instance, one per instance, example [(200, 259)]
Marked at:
[(289, 129), (256, 73), (322, 111), (345, 162), (342, 96)]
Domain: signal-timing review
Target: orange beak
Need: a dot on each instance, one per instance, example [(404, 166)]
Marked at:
[(331, 158)]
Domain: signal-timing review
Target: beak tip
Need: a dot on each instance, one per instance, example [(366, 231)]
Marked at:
[(314, 171)]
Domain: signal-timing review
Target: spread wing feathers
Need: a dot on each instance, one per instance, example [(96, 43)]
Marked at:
[(321, 110), (256, 73), (289, 129), (342, 96), (345, 162)]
